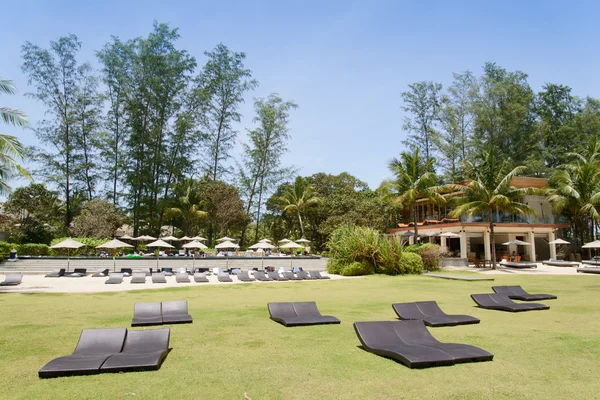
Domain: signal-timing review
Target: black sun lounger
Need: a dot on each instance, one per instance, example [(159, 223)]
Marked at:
[(182, 277), (276, 277), (175, 312), (517, 293), (158, 277), (260, 276), (147, 314), (138, 277), (126, 271), (115, 278), (93, 348), (499, 301), (317, 274), (200, 277), (431, 314), (290, 276), (299, 313), (244, 277), (410, 343), (77, 273), (144, 350), (304, 275), (56, 273), (100, 273), (224, 277), (12, 280)]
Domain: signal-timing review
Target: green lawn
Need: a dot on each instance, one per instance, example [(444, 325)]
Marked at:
[(234, 348)]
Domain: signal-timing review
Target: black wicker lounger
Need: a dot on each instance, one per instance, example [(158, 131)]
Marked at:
[(517, 293), (115, 278), (299, 313), (126, 271), (317, 274), (175, 312), (77, 273), (259, 275), (158, 277), (144, 350), (244, 277), (138, 277), (93, 348), (56, 273), (410, 343), (276, 277), (290, 276), (12, 280), (224, 277), (200, 277), (304, 275), (182, 277), (499, 301), (100, 273), (431, 314), (147, 314)]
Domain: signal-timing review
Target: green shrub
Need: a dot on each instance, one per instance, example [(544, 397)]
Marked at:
[(410, 263), (6, 247), (334, 266), (88, 249), (33, 249), (358, 268), (429, 252)]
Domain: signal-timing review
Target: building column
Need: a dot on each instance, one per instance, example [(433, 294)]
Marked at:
[(531, 239), (551, 238), (411, 240), (444, 243), (512, 247), (463, 244), (486, 246)]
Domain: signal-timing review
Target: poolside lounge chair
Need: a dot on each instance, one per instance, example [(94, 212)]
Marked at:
[(317, 274), (499, 301), (56, 273), (589, 270), (217, 271), (182, 277), (304, 275), (517, 293), (276, 277), (244, 277), (115, 278), (200, 277), (12, 280), (410, 343), (260, 276), (167, 271), (431, 314), (175, 312), (77, 273), (100, 273), (126, 271), (148, 271), (144, 350), (290, 276), (299, 313), (224, 277), (138, 277), (93, 348), (158, 277), (147, 314), (560, 263)]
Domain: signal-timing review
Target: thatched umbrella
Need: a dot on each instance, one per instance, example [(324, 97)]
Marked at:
[(68, 244), (114, 244)]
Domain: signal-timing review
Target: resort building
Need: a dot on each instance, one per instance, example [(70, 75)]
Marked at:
[(469, 237)]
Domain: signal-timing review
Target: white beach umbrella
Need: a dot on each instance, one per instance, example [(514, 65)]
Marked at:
[(169, 238), (144, 238), (591, 245), (286, 240), (126, 237), (291, 245), (265, 240), (194, 245), (68, 244), (159, 243), (516, 243), (261, 246), (450, 235), (302, 241), (225, 239), (227, 245), (184, 238), (198, 238), (559, 241), (114, 244)]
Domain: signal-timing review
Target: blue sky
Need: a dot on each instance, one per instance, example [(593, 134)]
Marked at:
[(344, 63)]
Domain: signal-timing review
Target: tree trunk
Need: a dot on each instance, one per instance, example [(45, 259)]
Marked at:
[(492, 241), (301, 226), (414, 211)]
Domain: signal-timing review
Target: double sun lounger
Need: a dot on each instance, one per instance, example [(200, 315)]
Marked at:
[(501, 299), (12, 280), (431, 314), (167, 312), (112, 350), (76, 273), (299, 314)]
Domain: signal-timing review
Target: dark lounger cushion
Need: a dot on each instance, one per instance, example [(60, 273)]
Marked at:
[(275, 276), (115, 278), (182, 277), (431, 314), (144, 350), (224, 277), (244, 277), (147, 314), (12, 280), (138, 277), (299, 313), (158, 277), (175, 312), (517, 293), (259, 275), (200, 277), (317, 274), (499, 301)]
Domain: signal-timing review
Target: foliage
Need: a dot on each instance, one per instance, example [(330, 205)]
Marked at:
[(411, 263), (88, 250), (429, 252), (298, 198), (224, 207), (184, 208), (98, 219), (27, 249)]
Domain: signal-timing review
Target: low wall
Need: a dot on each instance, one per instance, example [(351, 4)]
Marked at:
[(453, 262), (44, 264)]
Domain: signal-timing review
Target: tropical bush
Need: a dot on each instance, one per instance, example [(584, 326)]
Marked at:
[(88, 249), (361, 251), (430, 254), (411, 263), (28, 249)]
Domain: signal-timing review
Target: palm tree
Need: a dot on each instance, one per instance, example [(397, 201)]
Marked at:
[(488, 189), (414, 179), (186, 206), (11, 150), (298, 198), (575, 191)]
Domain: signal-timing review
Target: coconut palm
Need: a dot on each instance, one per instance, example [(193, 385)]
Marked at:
[(489, 189), (11, 150), (186, 206), (414, 179), (575, 191), (298, 198)]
